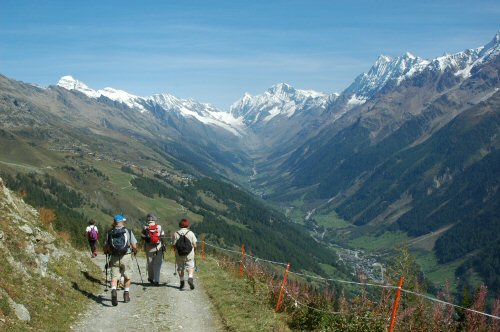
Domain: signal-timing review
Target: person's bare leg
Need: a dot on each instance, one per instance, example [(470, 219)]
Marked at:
[(190, 278)]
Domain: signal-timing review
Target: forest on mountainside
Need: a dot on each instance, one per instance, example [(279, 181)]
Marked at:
[(236, 218), (450, 180), (44, 191), (243, 220)]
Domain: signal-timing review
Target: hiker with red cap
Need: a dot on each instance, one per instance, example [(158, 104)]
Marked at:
[(120, 242), (153, 247), (184, 246)]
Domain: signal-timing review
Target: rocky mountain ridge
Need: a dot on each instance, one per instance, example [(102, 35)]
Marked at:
[(283, 99), (275, 123)]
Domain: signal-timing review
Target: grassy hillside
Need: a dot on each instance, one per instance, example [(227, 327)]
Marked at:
[(246, 302), (96, 178), (44, 283)]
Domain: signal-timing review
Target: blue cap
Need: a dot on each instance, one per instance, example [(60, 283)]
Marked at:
[(119, 218)]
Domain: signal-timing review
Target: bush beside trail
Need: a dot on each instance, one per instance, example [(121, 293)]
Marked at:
[(250, 301)]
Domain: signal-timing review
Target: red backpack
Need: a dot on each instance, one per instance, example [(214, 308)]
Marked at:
[(153, 235)]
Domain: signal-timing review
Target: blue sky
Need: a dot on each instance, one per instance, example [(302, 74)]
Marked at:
[(215, 51)]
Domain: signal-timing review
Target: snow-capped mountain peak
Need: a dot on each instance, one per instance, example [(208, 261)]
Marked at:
[(384, 71), (492, 48), (123, 97), (204, 113), (387, 70), (409, 55), (70, 83), (281, 99), (281, 89)]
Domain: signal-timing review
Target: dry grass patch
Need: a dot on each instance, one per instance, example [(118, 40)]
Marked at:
[(242, 303)]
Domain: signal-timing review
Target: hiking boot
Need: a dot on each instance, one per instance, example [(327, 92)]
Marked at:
[(150, 280), (181, 286), (114, 297), (190, 282), (126, 297), (156, 283)]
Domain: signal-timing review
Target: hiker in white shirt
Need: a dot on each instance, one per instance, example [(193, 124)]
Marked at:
[(185, 260), (92, 234)]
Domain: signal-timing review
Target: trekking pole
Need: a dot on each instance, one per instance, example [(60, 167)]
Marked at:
[(106, 267), (175, 257), (138, 268), (195, 265)]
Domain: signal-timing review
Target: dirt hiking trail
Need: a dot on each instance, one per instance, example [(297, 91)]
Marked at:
[(151, 308)]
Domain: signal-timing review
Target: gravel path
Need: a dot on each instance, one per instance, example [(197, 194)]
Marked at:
[(160, 308)]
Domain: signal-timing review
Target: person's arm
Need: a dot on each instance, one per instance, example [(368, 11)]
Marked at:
[(133, 243), (194, 241), (174, 238), (162, 236), (143, 232)]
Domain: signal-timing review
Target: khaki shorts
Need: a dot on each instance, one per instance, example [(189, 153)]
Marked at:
[(121, 265), (184, 263)]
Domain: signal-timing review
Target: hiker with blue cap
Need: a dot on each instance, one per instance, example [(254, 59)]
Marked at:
[(119, 244)]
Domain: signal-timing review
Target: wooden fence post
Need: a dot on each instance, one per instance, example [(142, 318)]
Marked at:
[(203, 249), (282, 287), (242, 257), (396, 303)]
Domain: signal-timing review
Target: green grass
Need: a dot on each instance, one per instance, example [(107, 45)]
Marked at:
[(119, 179), (211, 202), (439, 274), (297, 216), (331, 220), (294, 211), (168, 211), (241, 304), (18, 152), (385, 241)]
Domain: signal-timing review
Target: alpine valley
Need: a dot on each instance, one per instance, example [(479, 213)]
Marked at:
[(407, 155)]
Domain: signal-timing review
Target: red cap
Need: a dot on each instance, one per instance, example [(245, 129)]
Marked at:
[(184, 223)]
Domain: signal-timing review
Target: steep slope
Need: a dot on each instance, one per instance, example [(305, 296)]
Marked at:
[(419, 155), (91, 119), (102, 154), (44, 282), (396, 118)]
